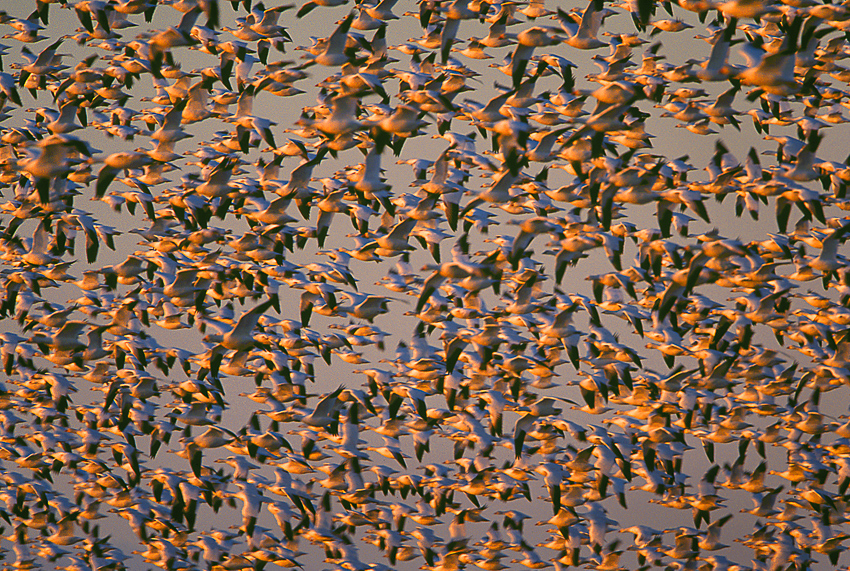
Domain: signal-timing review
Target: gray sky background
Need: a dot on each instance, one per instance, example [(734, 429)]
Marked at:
[(669, 141)]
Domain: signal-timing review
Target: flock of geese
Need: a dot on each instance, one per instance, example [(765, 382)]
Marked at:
[(680, 404)]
